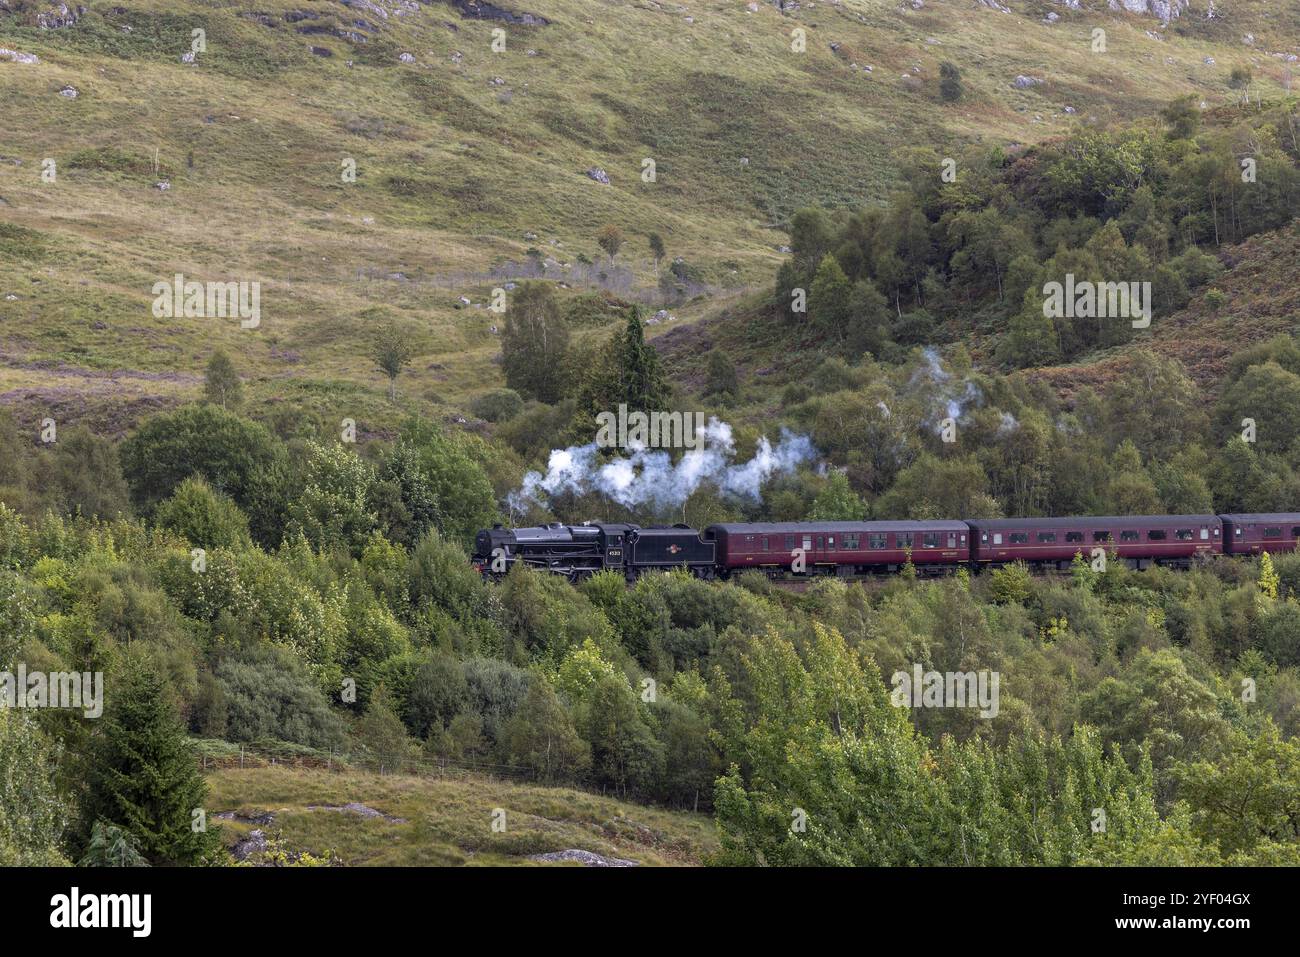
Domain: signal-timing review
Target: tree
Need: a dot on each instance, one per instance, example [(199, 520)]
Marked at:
[(221, 383), (950, 87), (232, 453), (534, 342), (720, 375), (1248, 802), (657, 250), (144, 777), (86, 475), (1132, 490), (391, 350), (381, 734), (837, 502), (404, 497), (334, 507), (629, 371), (610, 239), (828, 299), (1268, 395), (32, 813), (1183, 118), (204, 517), (624, 753), (110, 846), (453, 465), (541, 736), (438, 692)]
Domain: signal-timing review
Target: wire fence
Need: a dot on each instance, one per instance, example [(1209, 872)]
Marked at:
[(252, 756)]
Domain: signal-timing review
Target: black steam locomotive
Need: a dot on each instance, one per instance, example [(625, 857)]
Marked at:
[(577, 551), (855, 549)]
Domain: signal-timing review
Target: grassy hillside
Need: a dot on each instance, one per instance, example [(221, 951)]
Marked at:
[(467, 158), (1259, 300), (448, 821)]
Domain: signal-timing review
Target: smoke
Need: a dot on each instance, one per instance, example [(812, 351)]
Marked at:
[(954, 396), (650, 477)]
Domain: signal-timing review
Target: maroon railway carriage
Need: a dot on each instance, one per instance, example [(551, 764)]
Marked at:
[(1255, 532), (1143, 540), (840, 548)]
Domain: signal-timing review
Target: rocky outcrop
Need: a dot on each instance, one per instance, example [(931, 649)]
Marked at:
[(587, 858), (481, 10), (47, 16), (361, 810), (1164, 10)]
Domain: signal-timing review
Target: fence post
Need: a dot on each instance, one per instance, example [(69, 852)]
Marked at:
[(241, 757)]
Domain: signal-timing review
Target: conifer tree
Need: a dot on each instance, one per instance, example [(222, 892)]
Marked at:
[(641, 377), (145, 778)]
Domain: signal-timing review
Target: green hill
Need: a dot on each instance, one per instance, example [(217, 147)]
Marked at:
[(466, 159)]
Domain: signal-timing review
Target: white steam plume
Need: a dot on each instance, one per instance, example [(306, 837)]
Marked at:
[(650, 477)]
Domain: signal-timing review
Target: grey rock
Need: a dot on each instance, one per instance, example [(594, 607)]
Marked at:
[(59, 15), (588, 858), (15, 56), (255, 843)]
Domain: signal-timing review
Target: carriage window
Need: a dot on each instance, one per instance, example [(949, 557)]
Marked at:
[(1128, 536), (807, 543), (1047, 536), (1101, 536), (952, 540), (997, 538), (1157, 535), (1272, 533), (1184, 535), (852, 542), (1295, 532), (1019, 538), (830, 541), (766, 544), (876, 540), (1074, 536), (789, 542), (903, 540), (930, 539), (1205, 534)]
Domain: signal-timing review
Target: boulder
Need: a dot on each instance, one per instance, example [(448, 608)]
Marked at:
[(587, 858)]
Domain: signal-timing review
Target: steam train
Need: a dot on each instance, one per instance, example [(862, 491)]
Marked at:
[(799, 550)]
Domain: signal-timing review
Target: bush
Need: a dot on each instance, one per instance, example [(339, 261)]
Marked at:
[(498, 406), (204, 517), (265, 692), (1011, 584)]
